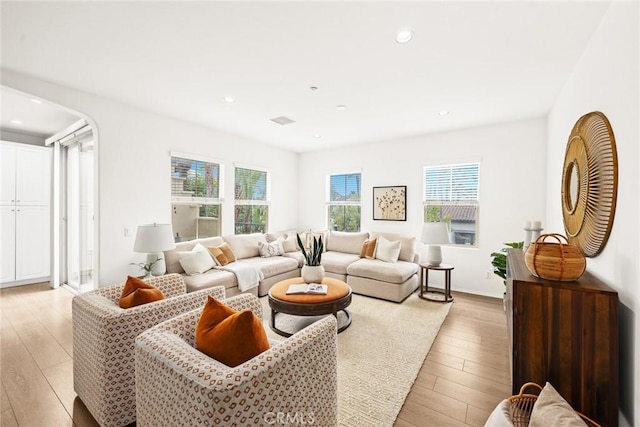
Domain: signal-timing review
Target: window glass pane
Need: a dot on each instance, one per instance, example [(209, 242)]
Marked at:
[(193, 221), (251, 219), (193, 178), (461, 219), (344, 188), (195, 192), (250, 184), (251, 191), (345, 192), (344, 218)]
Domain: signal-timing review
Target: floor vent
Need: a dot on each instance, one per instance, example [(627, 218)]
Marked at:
[(282, 120)]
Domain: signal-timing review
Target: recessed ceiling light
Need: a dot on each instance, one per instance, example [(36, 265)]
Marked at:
[(229, 99), (36, 101), (317, 135), (313, 88), (444, 112), (404, 36), (341, 107), (15, 122)]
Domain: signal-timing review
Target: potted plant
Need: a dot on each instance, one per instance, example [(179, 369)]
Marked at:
[(499, 260), (312, 270)]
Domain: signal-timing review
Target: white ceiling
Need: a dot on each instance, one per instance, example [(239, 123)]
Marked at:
[(37, 116), (485, 62)]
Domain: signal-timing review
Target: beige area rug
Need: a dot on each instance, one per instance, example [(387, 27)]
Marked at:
[(379, 355)]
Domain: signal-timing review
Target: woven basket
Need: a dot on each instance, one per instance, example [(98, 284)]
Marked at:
[(521, 405), (555, 261)]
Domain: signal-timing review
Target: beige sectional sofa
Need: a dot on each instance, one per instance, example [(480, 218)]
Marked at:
[(393, 281), (245, 248)]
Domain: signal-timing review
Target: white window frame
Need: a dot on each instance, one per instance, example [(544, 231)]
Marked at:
[(460, 202), (252, 202), (330, 203)]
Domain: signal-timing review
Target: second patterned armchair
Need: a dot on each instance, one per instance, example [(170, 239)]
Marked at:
[(294, 381), (103, 343)]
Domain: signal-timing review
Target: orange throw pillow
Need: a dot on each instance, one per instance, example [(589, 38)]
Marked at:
[(368, 249), (222, 254), (229, 336), (138, 292)]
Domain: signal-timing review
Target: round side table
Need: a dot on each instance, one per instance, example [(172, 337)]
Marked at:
[(431, 294)]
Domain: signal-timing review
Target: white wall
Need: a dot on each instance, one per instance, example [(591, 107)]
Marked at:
[(512, 188), (134, 168), (606, 80)]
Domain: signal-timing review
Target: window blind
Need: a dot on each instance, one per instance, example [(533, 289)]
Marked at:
[(345, 188), (250, 186), (194, 180), (451, 183)]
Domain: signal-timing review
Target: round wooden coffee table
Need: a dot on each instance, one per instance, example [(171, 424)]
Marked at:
[(337, 299)]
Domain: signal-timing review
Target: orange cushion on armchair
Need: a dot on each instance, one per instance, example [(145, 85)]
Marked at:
[(229, 336), (138, 292)]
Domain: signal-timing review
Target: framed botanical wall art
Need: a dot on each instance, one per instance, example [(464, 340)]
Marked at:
[(390, 203)]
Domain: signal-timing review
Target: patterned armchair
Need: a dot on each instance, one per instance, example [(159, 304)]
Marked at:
[(294, 382), (103, 343)]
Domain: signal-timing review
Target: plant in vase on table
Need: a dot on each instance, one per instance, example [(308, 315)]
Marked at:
[(312, 270)]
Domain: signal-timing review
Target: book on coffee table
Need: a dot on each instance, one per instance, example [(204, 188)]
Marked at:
[(307, 288)]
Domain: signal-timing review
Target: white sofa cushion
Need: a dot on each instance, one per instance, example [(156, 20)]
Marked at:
[(387, 251), (213, 277), (350, 243), (407, 244), (397, 272), (245, 245), (171, 257), (196, 261), (337, 262)]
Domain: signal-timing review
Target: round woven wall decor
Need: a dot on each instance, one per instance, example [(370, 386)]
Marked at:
[(590, 183)]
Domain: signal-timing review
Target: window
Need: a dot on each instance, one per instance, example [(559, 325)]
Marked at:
[(344, 202), (252, 201), (451, 196), (195, 197)]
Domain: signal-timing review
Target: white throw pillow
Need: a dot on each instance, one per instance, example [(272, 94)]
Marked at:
[(551, 409), (387, 251), (290, 244), (196, 261), (268, 250)]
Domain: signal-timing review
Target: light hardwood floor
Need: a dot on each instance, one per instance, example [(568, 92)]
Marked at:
[(462, 379)]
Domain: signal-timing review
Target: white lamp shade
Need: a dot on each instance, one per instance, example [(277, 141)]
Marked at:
[(154, 238), (435, 233)]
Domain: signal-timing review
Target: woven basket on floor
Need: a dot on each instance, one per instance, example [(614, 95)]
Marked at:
[(555, 261), (521, 406)]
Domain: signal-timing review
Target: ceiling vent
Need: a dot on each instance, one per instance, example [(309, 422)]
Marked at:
[(282, 120)]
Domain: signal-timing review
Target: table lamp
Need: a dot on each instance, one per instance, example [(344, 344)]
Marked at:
[(434, 234), (153, 239)]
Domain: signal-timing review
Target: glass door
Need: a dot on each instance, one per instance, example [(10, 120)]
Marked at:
[(78, 218)]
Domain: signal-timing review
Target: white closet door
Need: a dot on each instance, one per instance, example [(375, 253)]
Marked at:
[(7, 243), (33, 242), (7, 174), (33, 179)]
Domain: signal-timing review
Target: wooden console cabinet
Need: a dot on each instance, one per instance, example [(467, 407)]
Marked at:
[(565, 333)]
